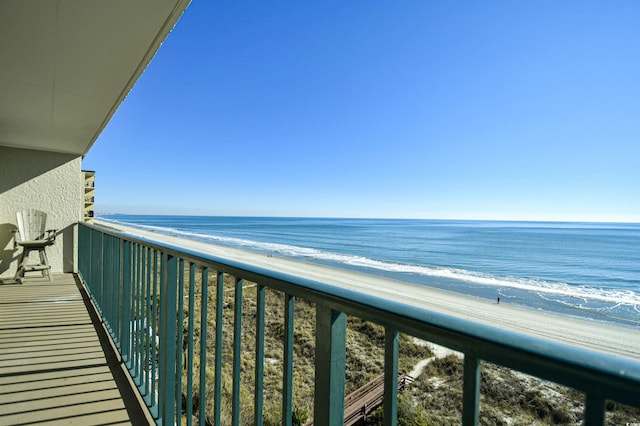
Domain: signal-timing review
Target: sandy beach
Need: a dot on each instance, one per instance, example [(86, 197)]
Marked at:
[(618, 341)]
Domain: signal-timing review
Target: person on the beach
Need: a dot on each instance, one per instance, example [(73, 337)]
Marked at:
[(498, 300)]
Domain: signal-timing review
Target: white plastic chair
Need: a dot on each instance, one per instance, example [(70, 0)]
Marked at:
[(31, 236)]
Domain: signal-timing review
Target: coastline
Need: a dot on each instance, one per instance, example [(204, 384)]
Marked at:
[(605, 338)]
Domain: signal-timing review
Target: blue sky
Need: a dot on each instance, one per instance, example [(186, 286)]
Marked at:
[(428, 109)]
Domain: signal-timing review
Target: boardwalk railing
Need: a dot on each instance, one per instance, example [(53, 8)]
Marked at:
[(152, 296)]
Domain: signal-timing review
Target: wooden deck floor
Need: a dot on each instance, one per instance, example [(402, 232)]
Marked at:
[(56, 364)]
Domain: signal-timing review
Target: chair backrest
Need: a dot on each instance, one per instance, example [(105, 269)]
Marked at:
[(31, 224)]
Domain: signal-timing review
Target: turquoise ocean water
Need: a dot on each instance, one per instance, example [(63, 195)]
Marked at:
[(587, 270)]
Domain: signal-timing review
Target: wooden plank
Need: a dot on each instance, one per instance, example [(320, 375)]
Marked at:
[(52, 364)]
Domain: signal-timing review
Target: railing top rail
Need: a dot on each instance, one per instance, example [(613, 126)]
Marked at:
[(618, 378)]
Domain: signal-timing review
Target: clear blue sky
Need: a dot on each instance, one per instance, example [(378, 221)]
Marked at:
[(420, 109)]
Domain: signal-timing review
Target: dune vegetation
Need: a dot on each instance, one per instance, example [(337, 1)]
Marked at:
[(434, 398)]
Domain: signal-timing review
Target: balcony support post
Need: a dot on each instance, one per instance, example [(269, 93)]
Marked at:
[(331, 331)]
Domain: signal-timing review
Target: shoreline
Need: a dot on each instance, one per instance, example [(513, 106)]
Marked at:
[(605, 338)]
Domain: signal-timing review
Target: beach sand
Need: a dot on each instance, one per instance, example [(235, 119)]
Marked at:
[(617, 341)]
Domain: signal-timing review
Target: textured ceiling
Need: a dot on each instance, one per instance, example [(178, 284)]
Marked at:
[(65, 66)]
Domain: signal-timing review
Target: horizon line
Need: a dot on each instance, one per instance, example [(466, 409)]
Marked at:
[(457, 219)]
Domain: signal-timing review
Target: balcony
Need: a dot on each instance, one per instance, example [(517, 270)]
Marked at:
[(148, 302)]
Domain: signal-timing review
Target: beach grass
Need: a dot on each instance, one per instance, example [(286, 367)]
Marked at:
[(434, 398), (364, 357)]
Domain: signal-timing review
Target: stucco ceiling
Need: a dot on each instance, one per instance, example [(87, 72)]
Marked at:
[(66, 65)]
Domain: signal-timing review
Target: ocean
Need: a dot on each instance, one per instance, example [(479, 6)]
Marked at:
[(585, 270)]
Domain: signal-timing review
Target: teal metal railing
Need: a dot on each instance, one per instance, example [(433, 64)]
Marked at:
[(155, 301)]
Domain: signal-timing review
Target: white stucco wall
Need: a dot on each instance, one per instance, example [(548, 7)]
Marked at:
[(51, 182)]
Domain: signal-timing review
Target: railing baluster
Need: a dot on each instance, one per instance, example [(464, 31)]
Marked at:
[(168, 338), (125, 323), (594, 409), (237, 352), (331, 331), (153, 332), (112, 289), (180, 341), (160, 331), (136, 314), (390, 402), (103, 291), (259, 371), (471, 390), (147, 321), (287, 376), (96, 287), (104, 257), (99, 274), (190, 360), (83, 255), (217, 387), (203, 343), (139, 314), (100, 278)]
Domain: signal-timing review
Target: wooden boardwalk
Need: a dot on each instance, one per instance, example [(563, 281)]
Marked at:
[(363, 401), (56, 364)]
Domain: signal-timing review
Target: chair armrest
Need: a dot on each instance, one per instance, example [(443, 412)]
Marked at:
[(16, 233)]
